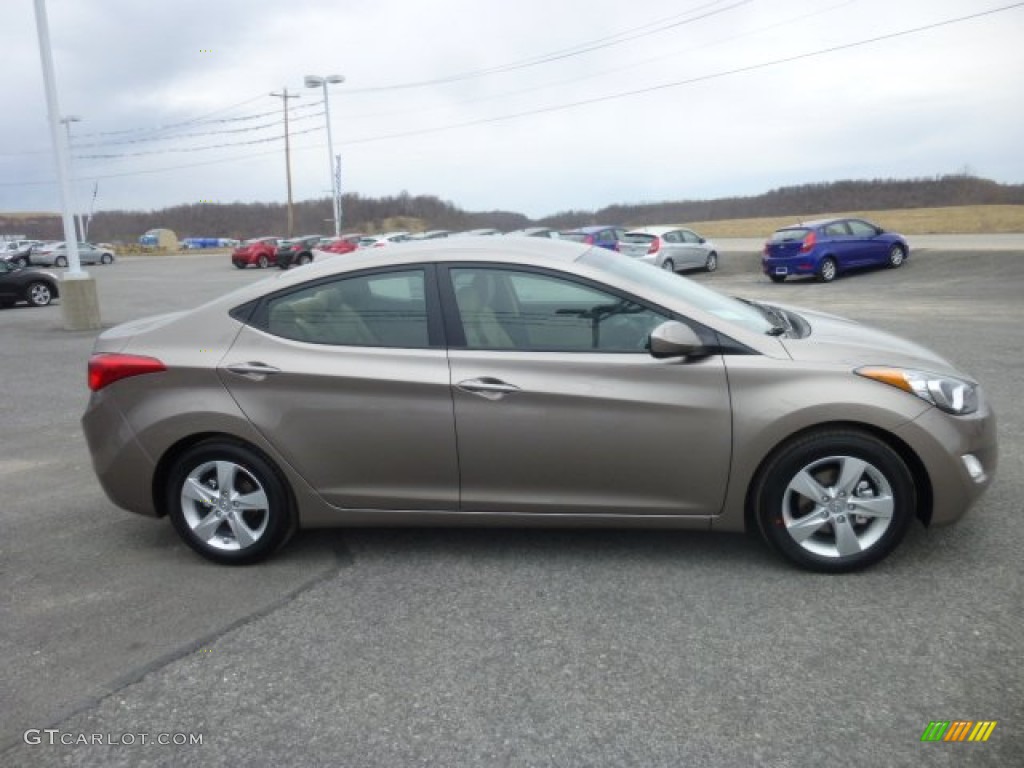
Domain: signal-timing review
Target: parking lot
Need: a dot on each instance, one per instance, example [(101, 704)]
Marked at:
[(544, 648)]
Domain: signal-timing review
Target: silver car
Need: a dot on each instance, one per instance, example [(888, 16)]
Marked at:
[(56, 254), (671, 248), (528, 382)]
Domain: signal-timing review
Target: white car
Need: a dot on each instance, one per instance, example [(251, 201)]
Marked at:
[(56, 254), (671, 248), (388, 238)]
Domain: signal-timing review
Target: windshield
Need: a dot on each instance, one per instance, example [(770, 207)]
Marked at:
[(679, 287)]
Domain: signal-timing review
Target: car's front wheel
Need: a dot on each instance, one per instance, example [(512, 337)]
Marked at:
[(668, 265), (712, 262), (896, 256), (305, 258), (21, 261), (264, 262), (229, 503), (835, 500), (827, 270), (106, 258), (60, 261)]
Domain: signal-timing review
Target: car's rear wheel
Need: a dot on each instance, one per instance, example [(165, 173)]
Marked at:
[(712, 262), (896, 256), (229, 503), (305, 258), (668, 265), (777, 278), (835, 500), (38, 294), (827, 270), (263, 262), (21, 261), (106, 258), (60, 261), (239, 264)]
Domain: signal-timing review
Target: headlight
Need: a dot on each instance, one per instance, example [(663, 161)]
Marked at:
[(949, 393)]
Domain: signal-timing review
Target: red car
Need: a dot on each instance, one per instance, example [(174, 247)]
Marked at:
[(261, 251), (343, 244)]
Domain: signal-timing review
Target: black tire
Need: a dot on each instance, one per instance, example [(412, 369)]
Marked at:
[(106, 258), (827, 270), (712, 262), (777, 278), (21, 261), (239, 264), (896, 256), (668, 265), (38, 293), (222, 533), (264, 262), (305, 258), (60, 261), (809, 531)]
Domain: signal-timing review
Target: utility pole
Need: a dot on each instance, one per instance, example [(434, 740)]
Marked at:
[(284, 96)]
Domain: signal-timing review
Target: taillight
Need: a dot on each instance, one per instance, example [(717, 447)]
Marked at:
[(655, 245), (808, 243), (105, 369)]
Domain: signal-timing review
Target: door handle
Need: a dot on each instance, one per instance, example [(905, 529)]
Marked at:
[(490, 388), (254, 370)]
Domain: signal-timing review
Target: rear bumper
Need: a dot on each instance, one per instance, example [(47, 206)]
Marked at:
[(789, 265)]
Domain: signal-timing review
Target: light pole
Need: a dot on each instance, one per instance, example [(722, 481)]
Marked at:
[(78, 298), (313, 81), (68, 120)]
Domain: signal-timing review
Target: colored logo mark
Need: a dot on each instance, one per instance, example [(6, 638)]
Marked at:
[(959, 730)]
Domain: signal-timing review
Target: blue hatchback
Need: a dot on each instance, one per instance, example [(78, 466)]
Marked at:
[(827, 247)]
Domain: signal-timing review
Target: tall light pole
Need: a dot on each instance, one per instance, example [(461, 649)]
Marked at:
[(313, 81), (284, 96), (68, 120), (78, 298)]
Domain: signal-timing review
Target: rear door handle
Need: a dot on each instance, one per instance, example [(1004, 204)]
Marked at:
[(490, 388), (253, 370)]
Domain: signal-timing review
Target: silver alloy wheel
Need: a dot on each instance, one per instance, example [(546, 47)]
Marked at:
[(828, 270), (60, 261), (895, 256), (712, 263), (39, 294), (225, 506), (305, 259), (106, 258), (838, 506), (668, 265), (263, 262)]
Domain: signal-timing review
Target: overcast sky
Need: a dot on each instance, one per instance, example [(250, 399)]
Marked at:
[(529, 106)]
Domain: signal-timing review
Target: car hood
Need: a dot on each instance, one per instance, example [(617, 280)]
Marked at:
[(848, 342)]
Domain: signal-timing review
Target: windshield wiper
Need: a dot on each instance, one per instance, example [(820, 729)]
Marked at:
[(780, 323)]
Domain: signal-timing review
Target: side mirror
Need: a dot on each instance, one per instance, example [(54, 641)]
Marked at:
[(674, 339), (701, 240)]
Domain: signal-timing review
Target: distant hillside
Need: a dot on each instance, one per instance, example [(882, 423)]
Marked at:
[(364, 214), (807, 200)]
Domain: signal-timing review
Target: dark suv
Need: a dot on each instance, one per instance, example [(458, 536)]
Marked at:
[(298, 250)]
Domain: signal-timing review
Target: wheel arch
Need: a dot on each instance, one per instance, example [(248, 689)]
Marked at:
[(921, 478), (178, 449)]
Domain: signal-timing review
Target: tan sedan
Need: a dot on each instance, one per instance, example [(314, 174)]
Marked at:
[(529, 382)]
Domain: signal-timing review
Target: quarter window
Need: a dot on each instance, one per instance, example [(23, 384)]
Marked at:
[(383, 310), (513, 310)]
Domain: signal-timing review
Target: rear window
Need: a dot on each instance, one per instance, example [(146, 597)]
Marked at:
[(639, 238), (789, 235), (576, 237)]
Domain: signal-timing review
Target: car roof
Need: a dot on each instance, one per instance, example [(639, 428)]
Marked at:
[(657, 230), (593, 228)]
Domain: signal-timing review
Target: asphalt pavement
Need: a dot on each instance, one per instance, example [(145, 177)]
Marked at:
[(499, 647)]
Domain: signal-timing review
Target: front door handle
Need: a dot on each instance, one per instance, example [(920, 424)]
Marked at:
[(253, 370), (490, 388)]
